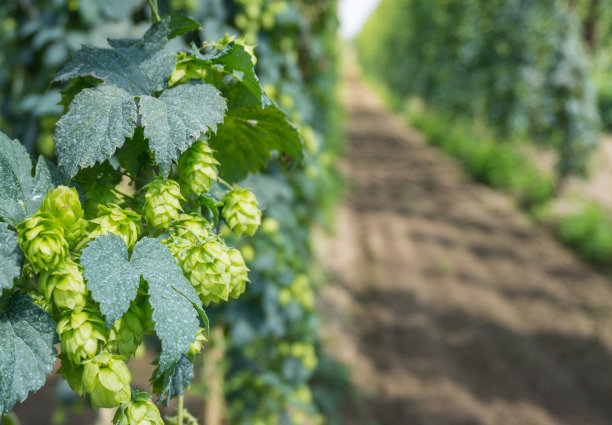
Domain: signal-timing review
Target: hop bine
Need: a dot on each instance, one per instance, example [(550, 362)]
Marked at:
[(241, 211)]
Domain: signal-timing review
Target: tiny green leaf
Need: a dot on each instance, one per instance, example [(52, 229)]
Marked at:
[(27, 355)]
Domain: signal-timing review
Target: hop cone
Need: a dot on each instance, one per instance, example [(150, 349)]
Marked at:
[(239, 273), (197, 167), (42, 241), (81, 334), (126, 333), (196, 346), (114, 219), (162, 202), (107, 380), (192, 227), (63, 204), (72, 373), (140, 411), (241, 211), (178, 247), (64, 286), (208, 269)]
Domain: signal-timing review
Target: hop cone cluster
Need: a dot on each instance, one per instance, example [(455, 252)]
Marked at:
[(81, 334), (107, 380), (241, 211), (42, 241), (197, 168), (114, 219), (64, 286), (162, 203), (63, 204), (207, 267)]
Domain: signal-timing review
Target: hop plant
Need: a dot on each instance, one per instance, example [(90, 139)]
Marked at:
[(179, 248), (241, 211), (42, 241), (208, 269), (139, 411), (63, 204), (197, 168), (162, 202), (114, 219), (99, 193), (239, 273), (81, 334), (64, 286), (107, 380), (192, 227), (126, 333)]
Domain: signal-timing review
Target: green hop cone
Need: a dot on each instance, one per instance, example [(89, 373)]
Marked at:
[(139, 411), (241, 211), (114, 219), (81, 334), (126, 333), (208, 269), (197, 168), (192, 227), (63, 204), (42, 241), (107, 380), (239, 273), (64, 286), (162, 203), (72, 373), (178, 247), (197, 346)]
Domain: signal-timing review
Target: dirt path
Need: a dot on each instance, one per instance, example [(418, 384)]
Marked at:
[(449, 305)]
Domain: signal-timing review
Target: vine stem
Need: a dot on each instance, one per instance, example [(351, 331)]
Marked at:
[(179, 414), (154, 11)]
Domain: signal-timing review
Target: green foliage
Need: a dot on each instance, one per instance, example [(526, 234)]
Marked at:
[(590, 232), (10, 257), (27, 355), (467, 59)]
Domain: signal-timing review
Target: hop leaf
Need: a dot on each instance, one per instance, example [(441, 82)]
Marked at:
[(239, 273), (63, 204), (42, 241), (162, 202), (241, 211), (114, 219), (197, 168), (64, 286), (81, 334), (107, 380), (208, 269)]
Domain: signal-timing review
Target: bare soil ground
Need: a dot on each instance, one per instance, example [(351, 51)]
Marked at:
[(447, 303)]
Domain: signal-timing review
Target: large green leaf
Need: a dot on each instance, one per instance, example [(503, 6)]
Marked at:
[(113, 282), (97, 123), (176, 119), (246, 140), (173, 382), (133, 72), (27, 355), (172, 298), (10, 257), (20, 193), (111, 278)]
